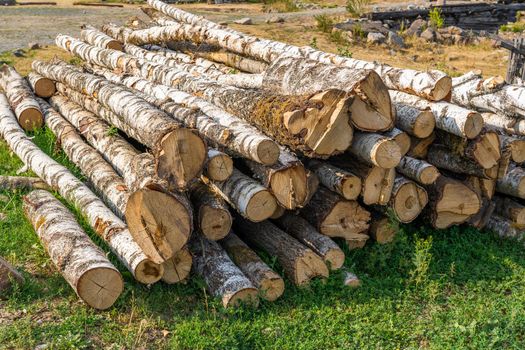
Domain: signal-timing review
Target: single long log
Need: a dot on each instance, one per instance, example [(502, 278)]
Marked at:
[(441, 157), (246, 195), (178, 268), (223, 279), (267, 281), (451, 118), (376, 149), (21, 98), (305, 233), (416, 122), (418, 170), (42, 87), (8, 275), (337, 180), (334, 216), (504, 228), (510, 209), (179, 152), (104, 222), (84, 265), (160, 222), (93, 36), (513, 183), (12, 183), (219, 166), (434, 85), (451, 202), (211, 212), (300, 263)]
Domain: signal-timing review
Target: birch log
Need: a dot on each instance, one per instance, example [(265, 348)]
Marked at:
[(337, 180), (159, 222), (42, 87), (21, 98), (376, 149), (267, 281), (305, 233), (12, 183), (434, 85), (246, 195), (179, 152), (212, 215), (84, 266), (441, 157), (223, 279), (451, 118), (508, 124), (334, 216), (104, 222), (219, 166), (416, 122), (510, 209), (8, 275), (93, 36), (300, 263), (514, 146), (401, 138), (178, 268), (513, 183), (504, 228), (418, 170)]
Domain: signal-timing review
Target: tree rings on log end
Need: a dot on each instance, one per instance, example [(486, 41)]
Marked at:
[(351, 187), (424, 124), (387, 154), (376, 95), (45, 88), (309, 266), (244, 296), (334, 259), (377, 188), (357, 243), (409, 201), (268, 152), (382, 230), (261, 206), (487, 151), (219, 168), (346, 219), (100, 287), (473, 125), (441, 89), (429, 175), (115, 45), (31, 119), (178, 268), (147, 272), (271, 288), (290, 186), (215, 223), (457, 203)]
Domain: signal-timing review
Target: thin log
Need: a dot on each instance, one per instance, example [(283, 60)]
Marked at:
[(407, 200), (418, 170), (178, 268), (337, 180), (84, 265), (514, 146), (8, 275), (441, 157), (42, 87), (508, 124), (267, 281), (12, 183), (223, 278), (376, 149), (219, 166), (300, 263), (93, 36), (211, 212), (21, 98), (106, 224), (419, 147), (415, 122), (334, 216), (351, 280), (513, 183), (305, 233)]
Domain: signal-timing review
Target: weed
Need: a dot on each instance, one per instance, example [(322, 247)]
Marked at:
[(281, 5), (112, 131), (313, 43), (517, 27), (357, 7), (436, 18), (324, 23), (338, 38), (76, 61), (358, 32), (344, 51), (421, 260)]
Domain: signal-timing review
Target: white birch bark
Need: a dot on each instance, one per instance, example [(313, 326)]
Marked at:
[(505, 123), (513, 183), (416, 122), (337, 180), (42, 87), (418, 170), (376, 149), (93, 36)]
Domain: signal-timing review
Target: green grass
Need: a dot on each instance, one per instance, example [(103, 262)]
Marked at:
[(453, 289), (517, 27)]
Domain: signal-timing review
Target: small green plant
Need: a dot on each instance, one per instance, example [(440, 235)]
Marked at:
[(517, 27), (112, 131), (344, 51), (76, 61), (358, 32), (324, 23), (421, 260), (436, 18), (357, 7), (338, 38), (281, 5), (313, 43)]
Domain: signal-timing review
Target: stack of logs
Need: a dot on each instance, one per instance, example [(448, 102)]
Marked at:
[(203, 147)]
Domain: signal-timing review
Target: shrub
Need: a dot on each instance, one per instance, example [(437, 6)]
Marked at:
[(436, 19), (357, 7), (324, 23)]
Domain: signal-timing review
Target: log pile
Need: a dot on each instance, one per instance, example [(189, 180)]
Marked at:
[(293, 159)]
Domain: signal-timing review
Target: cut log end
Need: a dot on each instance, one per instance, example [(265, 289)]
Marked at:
[(358, 243), (290, 187), (347, 218), (271, 289), (215, 223), (115, 45), (429, 175), (308, 267), (100, 287), (279, 211), (31, 119), (267, 152), (473, 125), (409, 201), (45, 88), (424, 125), (457, 204), (377, 96), (261, 206), (181, 157), (159, 223), (334, 259), (364, 118), (487, 152), (378, 184), (246, 296), (382, 230), (219, 168), (147, 272), (517, 150), (441, 89), (351, 187), (387, 154), (178, 268)]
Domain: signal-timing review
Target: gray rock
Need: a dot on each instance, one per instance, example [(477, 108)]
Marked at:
[(411, 7), (429, 35), (34, 46), (19, 53), (375, 38), (275, 19), (244, 21), (416, 28), (395, 40)]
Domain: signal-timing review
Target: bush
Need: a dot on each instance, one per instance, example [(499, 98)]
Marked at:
[(517, 27), (436, 19), (357, 7), (324, 23)]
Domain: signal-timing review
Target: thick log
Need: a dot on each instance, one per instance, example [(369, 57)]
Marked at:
[(451, 118), (305, 233), (418, 170), (382, 229), (441, 157), (104, 222), (267, 281), (334, 216), (480, 219), (42, 87), (178, 268), (223, 278), (21, 98), (376, 149), (93, 36), (510, 209), (451, 202), (300, 263), (245, 139), (419, 147), (219, 166), (415, 122), (13, 183), (286, 179), (249, 198), (514, 146), (84, 265), (211, 212), (160, 222), (434, 85), (180, 153), (337, 180), (513, 183), (508, 124), (407, 200), (8, 275), (401, 138), (504, 228)]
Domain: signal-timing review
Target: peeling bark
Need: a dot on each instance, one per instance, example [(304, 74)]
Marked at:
[(513, 183), (441, 157), (418, 170)]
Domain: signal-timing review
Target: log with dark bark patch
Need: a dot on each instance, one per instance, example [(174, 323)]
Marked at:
[(42, 87), (407, 201), (504, 228), (223, 278), (337, 180), (416, 122), (418, 170), (178, 268), (334, 216), (8, 276), (267, 281), (513, 183), (84, 265), (419, 147), (12, 183), (443, 158), (211, 212), (21, 98), (305, 233), (510, 209), (300, 263)]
